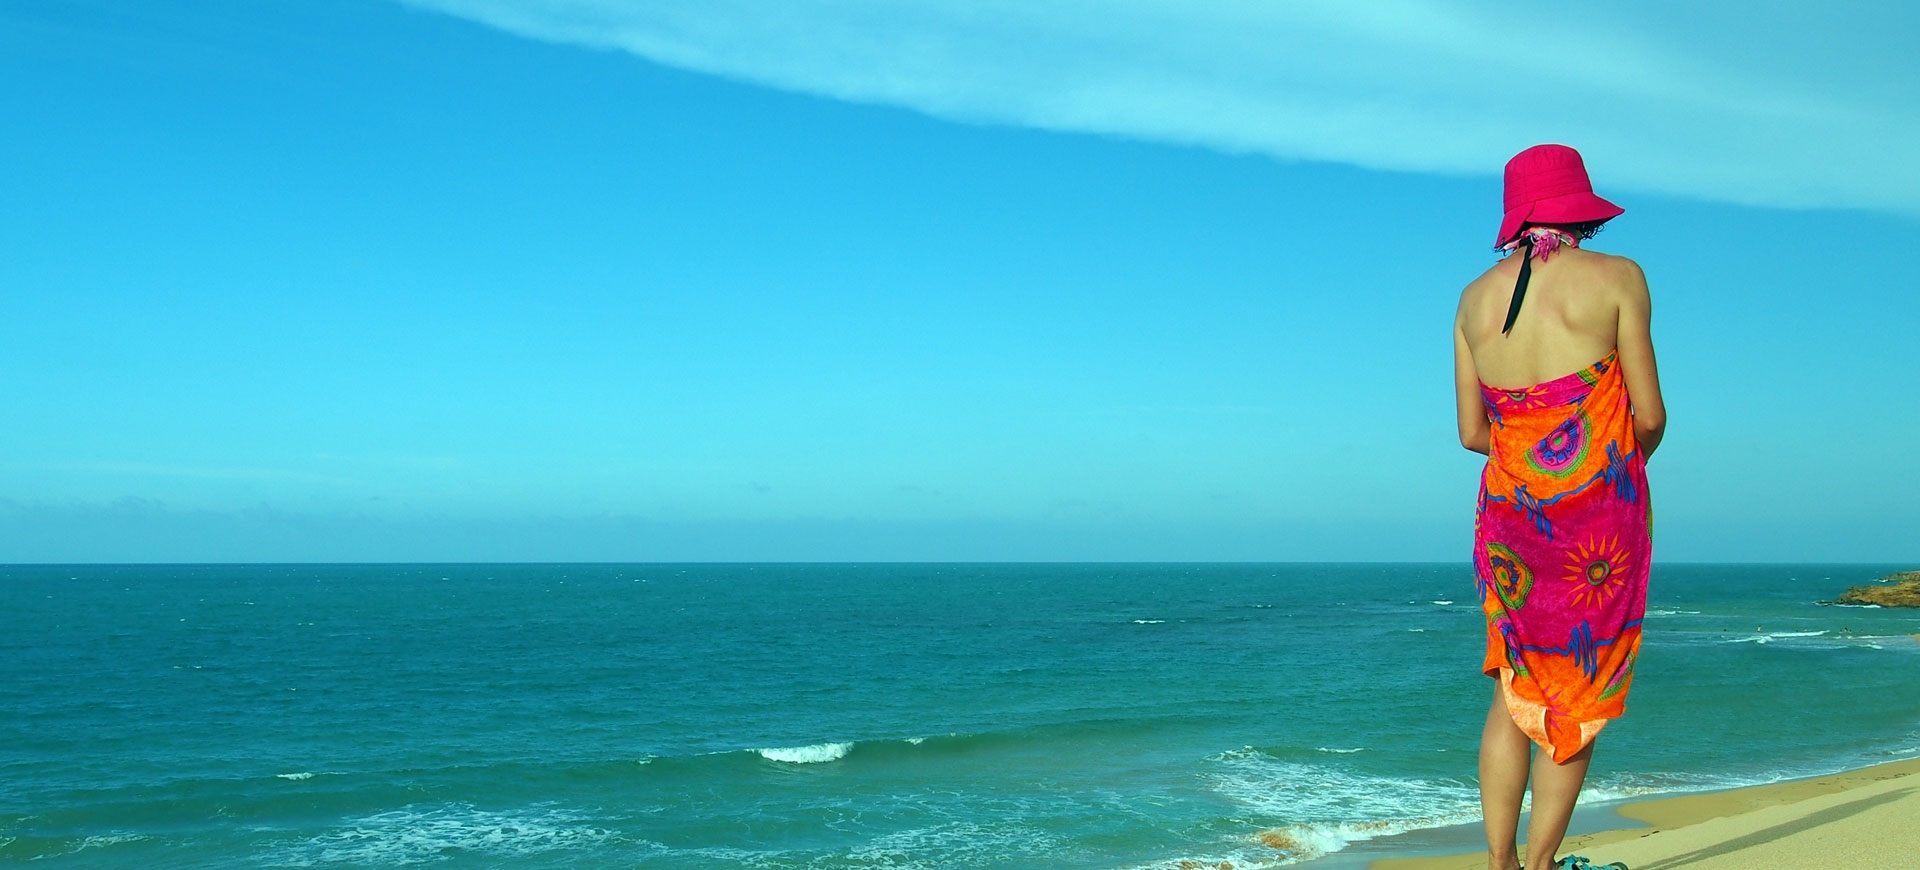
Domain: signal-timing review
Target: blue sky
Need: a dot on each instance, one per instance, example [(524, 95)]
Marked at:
[(472, 280)]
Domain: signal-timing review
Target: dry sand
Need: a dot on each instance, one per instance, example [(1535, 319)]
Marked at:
[(1862, 818)]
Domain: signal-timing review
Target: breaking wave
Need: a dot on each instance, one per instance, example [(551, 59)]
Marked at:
[(419, 835), (816, 754)]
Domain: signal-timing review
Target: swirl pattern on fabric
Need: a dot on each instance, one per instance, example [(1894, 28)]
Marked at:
[(1562, 549)]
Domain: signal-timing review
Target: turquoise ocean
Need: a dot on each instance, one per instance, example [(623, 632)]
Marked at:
[(857, 716)]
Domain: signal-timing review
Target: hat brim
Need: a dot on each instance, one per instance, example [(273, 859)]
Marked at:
[(1572, 208)]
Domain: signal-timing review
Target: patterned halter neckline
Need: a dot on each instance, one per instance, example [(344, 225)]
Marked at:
[(1539, 241), (1543, 240)]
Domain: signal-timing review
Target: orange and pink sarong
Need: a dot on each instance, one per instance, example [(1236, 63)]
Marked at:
[(1562, 548)]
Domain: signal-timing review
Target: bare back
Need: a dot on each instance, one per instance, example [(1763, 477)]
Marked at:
[(1569, 318), (1579, 306)]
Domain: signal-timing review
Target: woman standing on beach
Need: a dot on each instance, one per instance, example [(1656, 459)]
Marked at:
[(1561, 394)]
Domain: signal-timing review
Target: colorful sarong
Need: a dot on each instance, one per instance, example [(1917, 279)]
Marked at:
[(1562, 546)]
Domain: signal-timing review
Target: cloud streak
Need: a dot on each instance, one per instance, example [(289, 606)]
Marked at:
[(1746, 103)]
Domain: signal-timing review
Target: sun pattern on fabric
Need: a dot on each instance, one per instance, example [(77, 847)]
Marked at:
[(1531, 397), (1561, 452), (1512, 579), (1597, 571), (1563, 496)]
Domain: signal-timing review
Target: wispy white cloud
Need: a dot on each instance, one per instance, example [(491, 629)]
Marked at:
[(1754, 103)]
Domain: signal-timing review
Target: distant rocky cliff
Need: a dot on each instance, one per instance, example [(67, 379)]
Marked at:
[(1900, 589)]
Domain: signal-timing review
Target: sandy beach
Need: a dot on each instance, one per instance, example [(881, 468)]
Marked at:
[(1862, 818)]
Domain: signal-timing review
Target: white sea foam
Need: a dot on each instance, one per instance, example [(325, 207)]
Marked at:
[(937, 847), (1148, 621), (1443, 603), (1325, 807), (1245, 856), (109, 840), (815, 754), (1306, 842), (1659, 612), (1319, 802), (94, 842), (1826, 640), (1624, 786), (1340, 751), (955, 844), (916, 740), (295, 776), (420, 835), (1771, 636)]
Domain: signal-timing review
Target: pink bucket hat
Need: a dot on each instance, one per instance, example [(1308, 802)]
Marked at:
[(1547, 184)]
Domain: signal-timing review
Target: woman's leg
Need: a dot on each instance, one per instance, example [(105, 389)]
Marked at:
[(1504, 753), (1555, 787)]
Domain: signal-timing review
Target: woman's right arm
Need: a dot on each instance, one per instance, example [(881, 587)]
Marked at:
[(1475, 430), (1635, 341)]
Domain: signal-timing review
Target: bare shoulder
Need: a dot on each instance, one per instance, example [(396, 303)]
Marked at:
[(1623, 275), (1498, 275)]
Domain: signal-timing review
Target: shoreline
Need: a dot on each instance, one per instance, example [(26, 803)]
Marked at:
[(1864, 817)]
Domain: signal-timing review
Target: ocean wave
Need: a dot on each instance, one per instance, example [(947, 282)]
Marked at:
[(816, 754), (1771, 636), (1826, 640), (1327, 806), (1007, 838), (1662, 612), (1640, 785), (1307, 842), (871, 753), (1249, 856), (1148, 621), (419, 835), (955, 844), (71, 846), (1318, 804), (881, 751), (109, 840), (1339, 751)]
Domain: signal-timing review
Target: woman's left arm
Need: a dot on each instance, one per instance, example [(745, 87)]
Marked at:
[(1635, 341)]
